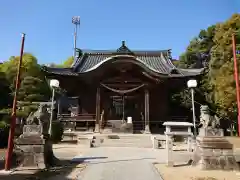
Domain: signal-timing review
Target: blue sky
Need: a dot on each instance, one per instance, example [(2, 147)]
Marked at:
[(151, 24)]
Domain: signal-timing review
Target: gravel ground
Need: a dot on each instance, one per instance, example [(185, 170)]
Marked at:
[(66, 170), (191, 173)]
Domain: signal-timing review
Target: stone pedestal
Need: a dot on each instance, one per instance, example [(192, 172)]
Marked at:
[(35, 149), (213, 151), (147, 129)]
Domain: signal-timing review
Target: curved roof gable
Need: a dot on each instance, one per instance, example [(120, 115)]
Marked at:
[(157, 61)]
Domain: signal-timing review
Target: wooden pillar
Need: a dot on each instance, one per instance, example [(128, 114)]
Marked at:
[(146, 102), (97, 128)]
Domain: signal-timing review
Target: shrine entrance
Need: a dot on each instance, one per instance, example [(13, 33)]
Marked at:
[(125, 103), (119, 108), (123, 96)]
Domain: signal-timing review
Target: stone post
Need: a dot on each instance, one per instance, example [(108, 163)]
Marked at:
[(169, 149), (189, 140)]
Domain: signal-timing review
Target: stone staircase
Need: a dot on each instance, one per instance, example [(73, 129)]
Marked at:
[(123, 140)]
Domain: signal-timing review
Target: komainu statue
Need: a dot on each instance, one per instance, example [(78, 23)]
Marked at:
[(40, 117), (212, 150), (34, 146), (207, 120)]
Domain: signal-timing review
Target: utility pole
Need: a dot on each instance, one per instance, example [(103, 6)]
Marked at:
[(14, 108), (236, 79), (76, 22)]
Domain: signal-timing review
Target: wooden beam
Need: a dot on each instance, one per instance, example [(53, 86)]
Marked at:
[(146, 99), (97, 128), (123, 85)]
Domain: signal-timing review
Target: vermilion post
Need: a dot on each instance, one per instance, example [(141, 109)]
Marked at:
[(14, 108), (236, 79)]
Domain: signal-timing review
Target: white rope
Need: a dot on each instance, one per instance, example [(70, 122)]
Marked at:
[(122, 91)]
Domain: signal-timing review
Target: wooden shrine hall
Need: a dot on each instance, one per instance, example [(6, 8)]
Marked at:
[(112, 89)]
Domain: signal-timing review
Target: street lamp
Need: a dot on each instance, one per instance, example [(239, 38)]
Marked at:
[(193, 84), (54, 83)]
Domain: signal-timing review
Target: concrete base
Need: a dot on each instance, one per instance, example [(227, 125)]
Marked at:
[(3, 172), (147, 130), (34, 151), (97, 128)]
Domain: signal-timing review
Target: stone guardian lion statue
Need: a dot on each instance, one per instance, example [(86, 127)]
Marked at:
[(207, 120)]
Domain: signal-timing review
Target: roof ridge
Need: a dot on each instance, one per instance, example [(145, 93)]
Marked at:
[(114, 50)]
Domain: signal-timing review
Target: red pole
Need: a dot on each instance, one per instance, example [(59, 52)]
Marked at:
[(14, 108), (236, 79)]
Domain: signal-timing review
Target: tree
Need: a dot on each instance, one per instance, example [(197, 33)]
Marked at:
[(33, 84), (4, 91), (213, 48), (221, 72), (68, 62), (33, 89), (197, 53)]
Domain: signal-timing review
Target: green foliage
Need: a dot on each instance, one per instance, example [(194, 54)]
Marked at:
[(4, 131), (33, 89), (214, 46), (68, 62), (57, 132), (198, 51), (182, 97), (5, 91), (221, 70), (3, 124), (8, 111), (33, 85)]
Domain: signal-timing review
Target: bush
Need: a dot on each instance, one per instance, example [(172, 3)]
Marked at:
[(4, 131), (57, 132)]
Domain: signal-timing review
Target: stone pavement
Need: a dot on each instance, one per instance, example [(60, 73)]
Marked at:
[(118, 163)]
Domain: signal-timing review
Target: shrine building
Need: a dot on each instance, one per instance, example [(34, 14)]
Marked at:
[(111, 87)]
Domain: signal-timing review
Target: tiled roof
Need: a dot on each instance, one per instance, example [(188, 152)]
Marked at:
[(158, 62), (60, 71)]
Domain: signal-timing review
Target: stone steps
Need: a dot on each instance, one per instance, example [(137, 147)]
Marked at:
[(140, 141), (126, 145)]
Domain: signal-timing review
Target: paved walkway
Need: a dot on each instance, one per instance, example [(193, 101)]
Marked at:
[(106, 163)]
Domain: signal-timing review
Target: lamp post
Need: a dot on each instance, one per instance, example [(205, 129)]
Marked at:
[(53, 84), (193, 84), (76, 22)]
